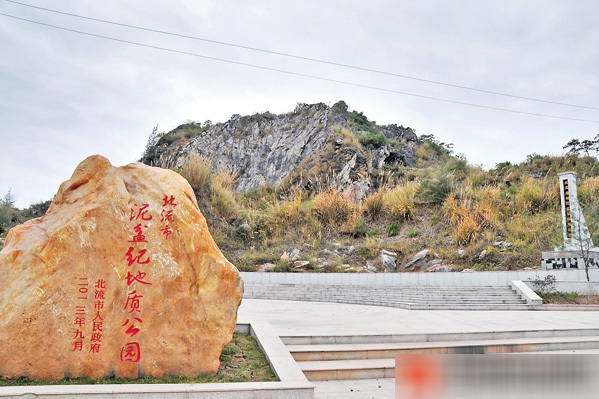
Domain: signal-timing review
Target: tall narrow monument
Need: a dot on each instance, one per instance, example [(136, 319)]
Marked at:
[(577, 241)]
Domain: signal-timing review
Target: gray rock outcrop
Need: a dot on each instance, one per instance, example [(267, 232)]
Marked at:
[(304, 147), (388, 258), (417, 260)]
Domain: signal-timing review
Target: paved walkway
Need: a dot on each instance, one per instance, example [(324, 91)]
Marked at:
[(290, 318)]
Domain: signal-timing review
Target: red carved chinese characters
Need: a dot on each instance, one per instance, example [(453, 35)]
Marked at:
[(138, 268), (132, 304), (137, 278), (98, 320), (132, 330), (140, 213), (139, 234), (131, 352), (140, 257), (80, 316), (168, 201), (166, 215), (136, 258), (83, 328)]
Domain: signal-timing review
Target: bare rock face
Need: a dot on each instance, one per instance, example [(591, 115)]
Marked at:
[(120, 278)]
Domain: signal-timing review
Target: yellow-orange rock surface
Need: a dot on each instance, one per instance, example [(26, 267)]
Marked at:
[(121, 277)]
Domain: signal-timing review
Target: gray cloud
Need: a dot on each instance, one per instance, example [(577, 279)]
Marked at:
[(66, 96)]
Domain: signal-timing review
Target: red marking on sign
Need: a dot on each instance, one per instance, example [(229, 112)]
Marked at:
[(137, 258), (78, 334), (139, 278), (166, 231), (133, 302), (132, 330), (130, 352), (94, 348), (168, 201), (167, 216), (96, 337), (139, 235), (141, 213)]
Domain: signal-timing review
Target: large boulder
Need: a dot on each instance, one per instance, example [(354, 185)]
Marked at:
[(121, 277)]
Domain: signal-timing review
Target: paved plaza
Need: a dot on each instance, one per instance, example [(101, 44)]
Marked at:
[(291, 318)]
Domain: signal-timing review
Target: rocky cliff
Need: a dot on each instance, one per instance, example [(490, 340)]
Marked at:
[(333, 146)]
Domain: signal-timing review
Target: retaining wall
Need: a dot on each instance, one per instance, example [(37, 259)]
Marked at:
[(567, 280)]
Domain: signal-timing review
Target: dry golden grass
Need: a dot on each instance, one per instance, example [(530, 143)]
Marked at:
[(285, 214), (374, 204), (488, 206), (530, 197), (589, 190), (349, 139), (399, 202), (355, 225), (332, 209), (196, 170), (465, 221), (222, 196)]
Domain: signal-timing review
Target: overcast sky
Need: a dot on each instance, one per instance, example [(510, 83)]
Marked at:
[(65, 96)]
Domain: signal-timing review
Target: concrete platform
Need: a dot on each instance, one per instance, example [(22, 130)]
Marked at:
[(291, 319)]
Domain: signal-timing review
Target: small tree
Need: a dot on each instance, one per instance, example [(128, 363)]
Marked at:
[(584, 242), (9, 215), (576, 146), (573, 146), (544, 285)]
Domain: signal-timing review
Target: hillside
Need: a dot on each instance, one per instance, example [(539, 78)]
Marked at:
[(314, 147), (325, 189)]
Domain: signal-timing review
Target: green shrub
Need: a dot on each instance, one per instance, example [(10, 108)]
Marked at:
[(434, 188), (340, 105), (373, 139), (558, 297), (373, 233), (393, 229)]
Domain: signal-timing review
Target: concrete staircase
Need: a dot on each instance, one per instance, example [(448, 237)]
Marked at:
[(373, 356), (407, 297)]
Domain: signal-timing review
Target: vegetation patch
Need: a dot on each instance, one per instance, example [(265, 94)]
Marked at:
[(559, 297), (241, 361)]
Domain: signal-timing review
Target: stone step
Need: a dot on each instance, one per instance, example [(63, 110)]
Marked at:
[(345, 288), (390, 350), (363, 361), (375, 293), (436, 337), (522, 307), (378, 294), (409, 297), (423, 306), (373, 289), (388, 299), (349, 369)]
